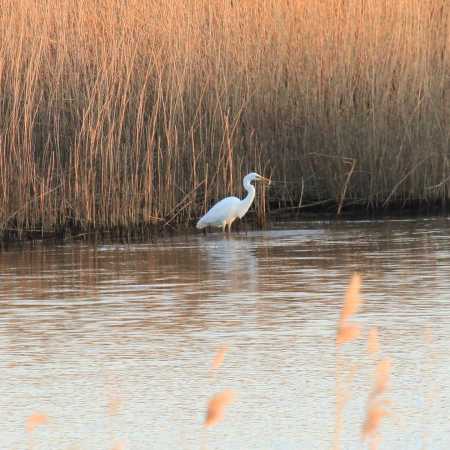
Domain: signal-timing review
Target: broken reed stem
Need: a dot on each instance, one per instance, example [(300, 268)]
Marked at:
[(344, 189)]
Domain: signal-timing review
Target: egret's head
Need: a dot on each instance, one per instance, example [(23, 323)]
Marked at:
[(253, 176)]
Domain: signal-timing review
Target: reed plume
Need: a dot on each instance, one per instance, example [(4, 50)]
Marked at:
[(377, 407), (216, 407), (36, 420), (375, 413), (347, 331)]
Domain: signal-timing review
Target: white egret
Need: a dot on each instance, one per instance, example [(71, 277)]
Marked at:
[(229, 209)]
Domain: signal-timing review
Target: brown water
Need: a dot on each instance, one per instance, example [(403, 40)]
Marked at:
[(114, 342)]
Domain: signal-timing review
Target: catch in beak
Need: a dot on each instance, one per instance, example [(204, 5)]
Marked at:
[(266, 180)]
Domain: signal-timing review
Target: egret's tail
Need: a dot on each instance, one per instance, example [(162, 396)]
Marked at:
[(200, 225)]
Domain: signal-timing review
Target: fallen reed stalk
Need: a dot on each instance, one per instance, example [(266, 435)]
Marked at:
[(113, 112)]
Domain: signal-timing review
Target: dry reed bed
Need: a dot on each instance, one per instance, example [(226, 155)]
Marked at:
[(119, 114)]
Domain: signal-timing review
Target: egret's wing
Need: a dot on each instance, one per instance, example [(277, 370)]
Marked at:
[(220, 212)]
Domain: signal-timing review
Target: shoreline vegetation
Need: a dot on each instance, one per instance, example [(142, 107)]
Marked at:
[(132, 116)]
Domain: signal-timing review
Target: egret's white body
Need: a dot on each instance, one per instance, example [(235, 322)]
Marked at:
[(225, 212)]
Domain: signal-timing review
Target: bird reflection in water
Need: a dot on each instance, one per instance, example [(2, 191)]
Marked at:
[(232, 261)]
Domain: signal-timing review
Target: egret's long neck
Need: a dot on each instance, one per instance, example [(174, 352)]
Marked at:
[(248, 200)]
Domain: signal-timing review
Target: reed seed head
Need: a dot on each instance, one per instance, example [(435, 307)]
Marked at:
[(374, 415), (352, 298), (36, 420), (216, 407)]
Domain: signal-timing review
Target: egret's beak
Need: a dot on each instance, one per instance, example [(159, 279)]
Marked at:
[(266, 180)]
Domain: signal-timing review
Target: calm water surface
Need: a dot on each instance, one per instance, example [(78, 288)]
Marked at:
[(114, 342)]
